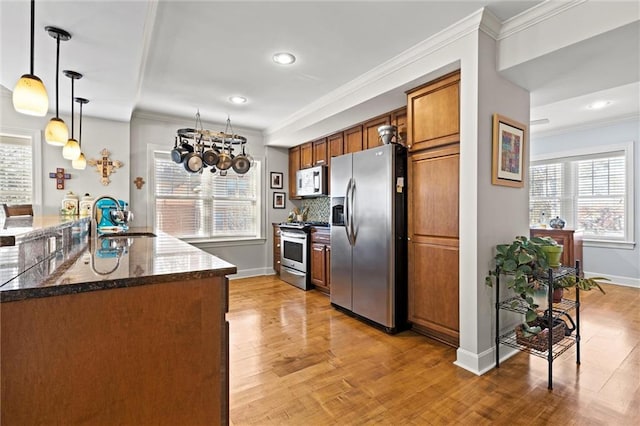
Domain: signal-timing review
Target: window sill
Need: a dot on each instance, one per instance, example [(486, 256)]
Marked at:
[(203, 244), (624, 245)]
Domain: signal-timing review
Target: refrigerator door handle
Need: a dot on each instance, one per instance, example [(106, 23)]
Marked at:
[(347, 213), (352, 212)]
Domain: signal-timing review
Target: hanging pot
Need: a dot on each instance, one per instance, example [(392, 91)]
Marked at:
[(241, 164), (193, 162), (210, 157)]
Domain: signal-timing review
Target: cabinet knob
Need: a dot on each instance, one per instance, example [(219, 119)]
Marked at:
[(278, 261), (277, 245)]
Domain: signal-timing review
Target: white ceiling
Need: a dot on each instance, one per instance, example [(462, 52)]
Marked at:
[(173, 57)]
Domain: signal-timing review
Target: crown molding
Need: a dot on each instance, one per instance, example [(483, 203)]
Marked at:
[(490, 24), (419, 51), (586, 126), (535, 15)]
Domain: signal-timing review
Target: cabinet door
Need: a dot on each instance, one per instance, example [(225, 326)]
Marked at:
[(433, 113), (399, 119), (294, 166), (371, 136), (276, 249), (353, 140), (306, 155), (320, 152), (336, 145), (434, 243), (318, 265)]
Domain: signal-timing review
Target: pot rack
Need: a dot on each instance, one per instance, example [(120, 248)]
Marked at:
[(198, 148)]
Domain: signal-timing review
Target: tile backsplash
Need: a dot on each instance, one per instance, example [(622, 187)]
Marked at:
[(319, 208)]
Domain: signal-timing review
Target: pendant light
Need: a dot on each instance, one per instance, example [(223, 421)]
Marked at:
[(71, 149), (30, 96), (80, 163), (57, 133)]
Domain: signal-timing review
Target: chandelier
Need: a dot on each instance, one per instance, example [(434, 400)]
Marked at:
[(197, 148)]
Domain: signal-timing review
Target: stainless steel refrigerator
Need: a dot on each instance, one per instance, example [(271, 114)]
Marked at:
[(368, 236)]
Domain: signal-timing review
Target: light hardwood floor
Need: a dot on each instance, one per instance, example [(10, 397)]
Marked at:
[(296, 360)]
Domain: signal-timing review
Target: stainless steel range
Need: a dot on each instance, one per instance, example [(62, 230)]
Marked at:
[(294, 253)]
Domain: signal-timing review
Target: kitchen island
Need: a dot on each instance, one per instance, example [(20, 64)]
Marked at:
[(120, 330)]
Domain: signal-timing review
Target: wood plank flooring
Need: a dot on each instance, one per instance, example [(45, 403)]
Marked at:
[(296, 360)]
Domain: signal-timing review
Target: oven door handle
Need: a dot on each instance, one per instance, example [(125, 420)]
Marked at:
[(294, 235)]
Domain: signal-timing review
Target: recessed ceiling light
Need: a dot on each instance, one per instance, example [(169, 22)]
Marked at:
[(238, 99), (540, 121), (599, 104), (284, 58)]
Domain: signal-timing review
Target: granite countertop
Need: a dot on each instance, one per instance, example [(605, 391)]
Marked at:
[(90, 264), (14, 230)]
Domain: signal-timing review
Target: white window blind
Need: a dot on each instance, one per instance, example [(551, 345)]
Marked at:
[(16, 180), (205, 205), (589, 191)]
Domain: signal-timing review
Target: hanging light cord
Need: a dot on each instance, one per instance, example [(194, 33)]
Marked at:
[(57, 70), (80, 132), (72, 102), (33, 27)]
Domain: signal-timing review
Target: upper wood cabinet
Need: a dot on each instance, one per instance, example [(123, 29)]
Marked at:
[(294, 166), (320, 152), (353, 139), (399, 119), (433, 113), (336, 145), (371, 136), (306, 155)]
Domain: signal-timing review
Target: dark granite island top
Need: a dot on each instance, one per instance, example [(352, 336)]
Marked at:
[(113, 261)]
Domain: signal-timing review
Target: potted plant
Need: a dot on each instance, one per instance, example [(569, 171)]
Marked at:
[(525, 263), (552, 250)]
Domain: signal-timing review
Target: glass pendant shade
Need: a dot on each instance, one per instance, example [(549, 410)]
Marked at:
[(30, 96), (79, 163), (71, 150), (56, 133)]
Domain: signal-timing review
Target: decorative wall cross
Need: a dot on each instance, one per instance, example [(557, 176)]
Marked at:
[(59, 176), (139, 182), (105, 166)]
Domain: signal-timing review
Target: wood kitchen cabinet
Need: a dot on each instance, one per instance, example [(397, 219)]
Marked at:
[(276, 249), (321, 259), (294, 166), (433, 113), (353, 139), (320, 157), (306, 155), (371, 136), (569, 239), (433, 210), (399, 119), (336, 145)]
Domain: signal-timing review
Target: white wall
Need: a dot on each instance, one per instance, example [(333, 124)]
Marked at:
[(620, 265), (149, 130), (96, 135)]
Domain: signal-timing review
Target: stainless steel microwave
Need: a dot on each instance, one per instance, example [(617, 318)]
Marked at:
[(311, 182)]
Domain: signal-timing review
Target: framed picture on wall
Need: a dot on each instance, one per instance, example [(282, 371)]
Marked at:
[(279, 200), (276, 180), (509, 149)]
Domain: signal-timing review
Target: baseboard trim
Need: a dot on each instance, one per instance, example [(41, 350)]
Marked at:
[(483, 362), (253, 272), (615, 279)]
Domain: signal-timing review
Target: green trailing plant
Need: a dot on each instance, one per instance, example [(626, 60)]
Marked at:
[(524, 262)]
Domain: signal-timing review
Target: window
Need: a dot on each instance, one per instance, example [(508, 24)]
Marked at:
[(16, 172), (203, 205), (591, 191)]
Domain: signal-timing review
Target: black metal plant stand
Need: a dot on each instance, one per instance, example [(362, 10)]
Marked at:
[(555, 310)]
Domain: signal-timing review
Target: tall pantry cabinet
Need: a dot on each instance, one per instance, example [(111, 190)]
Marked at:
[(433, 139)]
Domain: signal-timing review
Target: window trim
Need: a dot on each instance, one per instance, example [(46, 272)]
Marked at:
[(628, 243), (207, 242), (36, 172)]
